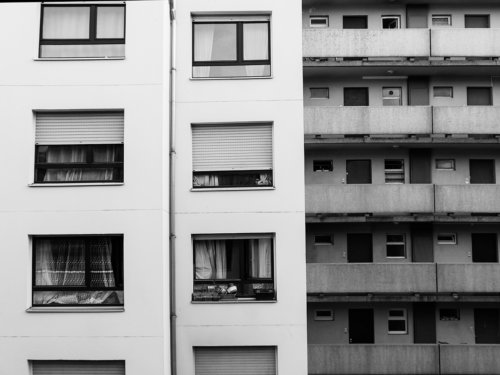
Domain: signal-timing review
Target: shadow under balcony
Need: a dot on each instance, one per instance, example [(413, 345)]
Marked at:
[(365, 43), (456, 42), (471, 198), (373, 359), (466, 120), (328, 120), (377, 199), (468, 278), (470, 359), (371, 278)]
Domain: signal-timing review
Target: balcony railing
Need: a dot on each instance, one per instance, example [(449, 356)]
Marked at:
[(368, 120), (365, 43), (468, 278), (404, 198), (456, 42), (466, 120), (373, 359), (476, 198), (470, 359), (371, 278)]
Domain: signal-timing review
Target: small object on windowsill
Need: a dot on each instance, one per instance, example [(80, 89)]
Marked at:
[(264, 294), (228, 297)]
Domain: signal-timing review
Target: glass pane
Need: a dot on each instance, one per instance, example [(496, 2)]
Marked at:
[(66, 22), (215, 42), (78, 174), (255, 41), (260, 258), (110, 22), (98, 297), (101, 266), (231, 71), (232, 179), (84, 50), (66, 154)]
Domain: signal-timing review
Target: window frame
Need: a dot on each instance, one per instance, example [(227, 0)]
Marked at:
[(330, 317), (444, 312), (453, 241), (318, 163), (448, 16), (92, 39), (397, 318), (385, 17), (399, 172), (323, 243), (394, 243), (453, 162), (450, 88), (240, 61), (312, 97), (319, 26), (37, 288)]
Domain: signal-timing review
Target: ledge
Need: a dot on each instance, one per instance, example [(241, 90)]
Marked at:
[(75, 309), (231, 302), (77, 58), (233, 189), (64, 184), (225, 78)]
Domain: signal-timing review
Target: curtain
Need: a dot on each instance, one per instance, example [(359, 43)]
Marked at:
[(210, 259), (101, 268), (66, 22), (203, 44), (260, 258), (255, 41), (110, 22), (205, 180)]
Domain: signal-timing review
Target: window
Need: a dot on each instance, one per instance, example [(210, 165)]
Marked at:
[(479, 96), (233, 267), (391, 22), (232, 155), (482, 171), (324, 315), (320, 92), (77, 270), (73, 31), (396, 322), (441, 20), (323, 239), (443, 92), (355, 22), (231, 47), (477, 21), (323, 165), (72, 147), (394, 171), (449, 314), (391, 96), (447, 238), (484, 247), (318, 21), (77, 367), (445, 164), (255, 360), (359, 171), (355, 96), (396, 246)]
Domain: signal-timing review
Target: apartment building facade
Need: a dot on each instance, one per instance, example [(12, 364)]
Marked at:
[(401, 139)]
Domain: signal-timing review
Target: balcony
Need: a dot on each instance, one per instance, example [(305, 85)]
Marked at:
[(470, 359), (373, 359), (367, 120), (467, 198), (405, 198), (455, 42), (371, 278), (468, 278), (365, 43), (467, 120)]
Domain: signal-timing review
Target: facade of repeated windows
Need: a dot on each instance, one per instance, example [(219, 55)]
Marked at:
[(401, 139)]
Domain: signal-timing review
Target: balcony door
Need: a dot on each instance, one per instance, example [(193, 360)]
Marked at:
[(484, 248), (417, 16), (359, 171), (359, 248), (487, 326), (361, 326), (482, 171)]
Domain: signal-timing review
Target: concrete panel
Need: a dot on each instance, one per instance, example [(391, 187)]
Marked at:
[(465, 42), (367, 120), (468, 278), (467, 120), (467, 198), (365, 43), (371, 278), (470, 359), (373, 359), (326, 198)]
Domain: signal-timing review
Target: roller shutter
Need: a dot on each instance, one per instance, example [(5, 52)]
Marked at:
[(78, 367)]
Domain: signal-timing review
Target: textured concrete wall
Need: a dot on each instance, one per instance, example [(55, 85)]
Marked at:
[(465, 42), (467, 198), (468, 278), (470, 359), (467, 120)]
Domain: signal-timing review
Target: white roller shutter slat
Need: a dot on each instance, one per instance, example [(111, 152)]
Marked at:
[(66, 128), (232, 147), (78, 367), (235, 361)]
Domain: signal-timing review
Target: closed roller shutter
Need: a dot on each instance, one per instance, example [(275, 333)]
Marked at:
[(69, 128), (232, 147), (78, 367), (235, 360)]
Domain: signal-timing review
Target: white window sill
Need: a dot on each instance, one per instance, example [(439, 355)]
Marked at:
[(75, 309), (226, 78), (197, 190), (77, 58), (65, 184), (236, 301)]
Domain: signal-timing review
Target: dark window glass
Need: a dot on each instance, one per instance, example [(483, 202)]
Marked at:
[(391, 22), (356, 96), (320, 93), (397, 326), (322, 165), (482, 171), (477, 21), (395, 245), (479, 96), (355, 22), (484, 247), (323, 239), (449, 314)]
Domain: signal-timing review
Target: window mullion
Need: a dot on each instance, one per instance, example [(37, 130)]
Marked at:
[(87, 263), (239, 42), (93, 23)]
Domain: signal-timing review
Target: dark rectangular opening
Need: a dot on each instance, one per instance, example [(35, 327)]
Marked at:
[(359, 171), (482, 171), (422, 242), (355, 22), (322, 165), (449, 314), (359, 248), (361, 326), (424, 323), (420, 166), (479, 96), (484, 248), (486, 326), (356, 96), (477, 21)]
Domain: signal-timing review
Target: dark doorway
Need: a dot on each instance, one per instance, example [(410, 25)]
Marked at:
[(355, 96), (418, 90), (416, 16), (422, 242), (420, 166), (424, 323), (477, 21), (479, 96), (355, 22), (359, 248), (361, 327), (482, 171), (484, 248), (359, 171), (486, 326)]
